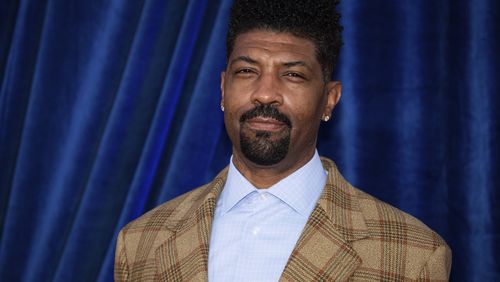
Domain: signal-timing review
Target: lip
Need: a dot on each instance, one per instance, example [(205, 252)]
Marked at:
[(265, 124)]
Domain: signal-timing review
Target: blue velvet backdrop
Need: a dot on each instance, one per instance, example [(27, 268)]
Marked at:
[(108, 108)]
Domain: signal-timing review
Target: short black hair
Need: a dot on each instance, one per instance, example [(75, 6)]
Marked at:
[(315, 20)]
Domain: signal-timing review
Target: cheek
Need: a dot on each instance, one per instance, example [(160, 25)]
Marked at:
[(306, 111), (232, 128), (231, 121), (232, 113), (306, 116)]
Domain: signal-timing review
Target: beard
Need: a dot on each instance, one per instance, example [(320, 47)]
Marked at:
[(265, 147)]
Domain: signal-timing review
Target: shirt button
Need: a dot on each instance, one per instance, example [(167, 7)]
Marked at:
[(263, 196), (256, 230)]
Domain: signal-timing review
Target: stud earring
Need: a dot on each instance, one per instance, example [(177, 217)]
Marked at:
[(222, 105), (326, 118)]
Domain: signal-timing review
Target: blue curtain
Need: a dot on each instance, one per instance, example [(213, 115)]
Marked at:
[(109, 108)]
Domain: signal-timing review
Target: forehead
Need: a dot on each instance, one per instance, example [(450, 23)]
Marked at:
[(269, 45)]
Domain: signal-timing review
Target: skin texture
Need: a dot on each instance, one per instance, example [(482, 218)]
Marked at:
[(278, 69)]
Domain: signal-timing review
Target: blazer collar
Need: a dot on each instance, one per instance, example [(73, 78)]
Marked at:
[(184, 254), (341, 205), (323, 252)]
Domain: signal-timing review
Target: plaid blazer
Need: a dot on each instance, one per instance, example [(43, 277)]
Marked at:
[(350, 236)]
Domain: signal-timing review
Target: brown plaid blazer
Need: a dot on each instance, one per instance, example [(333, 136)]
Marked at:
[(350, 236)]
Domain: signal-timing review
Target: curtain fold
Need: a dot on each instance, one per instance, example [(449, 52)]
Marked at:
[(108, 109), (195, 125)]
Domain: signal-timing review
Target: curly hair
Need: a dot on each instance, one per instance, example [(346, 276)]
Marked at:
[(315, 20)]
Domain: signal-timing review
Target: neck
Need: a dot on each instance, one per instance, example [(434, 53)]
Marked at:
[(266, 176)]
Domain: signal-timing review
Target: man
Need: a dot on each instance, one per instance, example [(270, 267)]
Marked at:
[(279, 212)]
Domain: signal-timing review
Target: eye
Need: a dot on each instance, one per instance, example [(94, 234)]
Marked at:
[(295, 75), (244, 71)]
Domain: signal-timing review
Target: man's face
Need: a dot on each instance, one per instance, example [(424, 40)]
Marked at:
[(274, 96)]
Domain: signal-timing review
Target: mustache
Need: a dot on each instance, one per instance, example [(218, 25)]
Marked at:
[(266, 111)]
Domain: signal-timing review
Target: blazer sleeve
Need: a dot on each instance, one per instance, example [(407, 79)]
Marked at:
[(121, 265), (438, 266)]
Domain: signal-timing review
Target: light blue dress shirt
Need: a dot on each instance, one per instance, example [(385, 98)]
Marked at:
[(255, 230)]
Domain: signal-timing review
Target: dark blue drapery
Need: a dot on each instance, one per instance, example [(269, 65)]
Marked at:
[(108, 108)]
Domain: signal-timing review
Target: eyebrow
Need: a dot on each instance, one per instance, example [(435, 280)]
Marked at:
[(249, 60), (295, 63), (244, 59)]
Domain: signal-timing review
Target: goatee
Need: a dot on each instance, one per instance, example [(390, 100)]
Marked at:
[(265, 147)]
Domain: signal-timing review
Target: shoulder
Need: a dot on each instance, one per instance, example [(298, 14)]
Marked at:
[(167, 215), (388, 222), (173, 212), (393, 242), (382, 219), (138, 240), (142, 236), (405, 244)]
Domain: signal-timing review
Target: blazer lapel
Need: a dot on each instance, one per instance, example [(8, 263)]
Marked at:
[(184, 255), (324, 251), (321, 254)]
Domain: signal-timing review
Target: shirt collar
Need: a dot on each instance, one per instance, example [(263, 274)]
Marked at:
[(300, 190), (236, 188)]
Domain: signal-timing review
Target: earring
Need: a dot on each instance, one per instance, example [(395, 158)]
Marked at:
[(326, 118), (222, 105)]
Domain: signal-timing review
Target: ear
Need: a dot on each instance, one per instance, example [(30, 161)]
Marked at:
[(333, 92), (222, 83)]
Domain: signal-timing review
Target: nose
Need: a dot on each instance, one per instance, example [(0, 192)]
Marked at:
[(267, 90)]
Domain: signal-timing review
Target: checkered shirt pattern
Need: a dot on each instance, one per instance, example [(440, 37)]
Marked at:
[(255, 230)]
